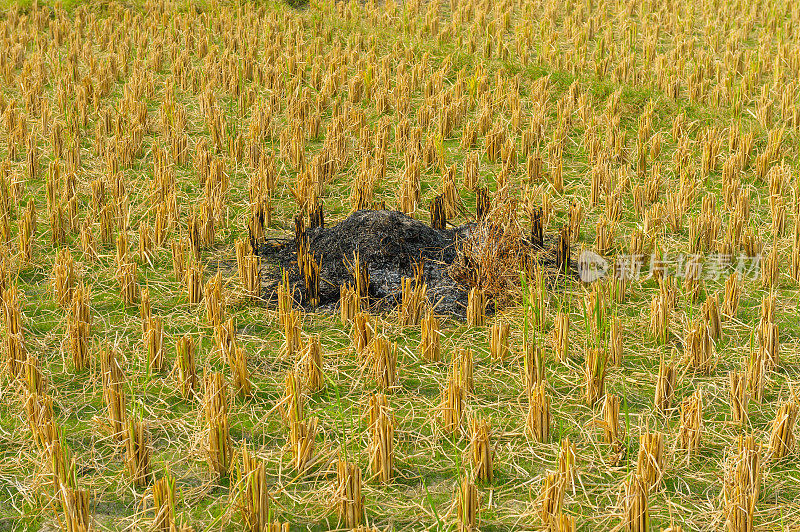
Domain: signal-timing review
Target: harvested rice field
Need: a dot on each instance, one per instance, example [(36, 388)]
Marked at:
[(371, 266)]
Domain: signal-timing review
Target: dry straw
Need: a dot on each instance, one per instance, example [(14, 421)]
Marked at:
[(126, 272), (691, 428), (413, 298), (781, 440), (756, 370), (27, 232), (564, 523), (660, 310), (113, 381), (145, 243), (381, 445), (476, 308), (138, 453), (768, 342), (179, 264), (64, 276), (612, 430), (730, 303), (665, 386), (595, 374), (382, 360), (292, 329), (241, 374), (738, 396), (251, 276), (742, 485), (538, 421), (154, 341), (711, 316), (309, 269), (215, 406), (567, 461), (225, 339), (349, 499), (650, 460), (164, 503), (498, 340), (14, 340), (253, 496), (463, 366), (430, 342), (186, 366), (77, 513), (482, 451), (362, 332), (438, 213), (537, 298), (311, 364), (79, 327), (699, 350), (360, 273), (551, 499), (301, 431), (349, 304), (34, 378), (561, 336), (467, 506), (145, 311), (615, 342), (284, 299), (214, 299), (194, 282), (243, 249), (636, 510), (60, 463), (451, 408)]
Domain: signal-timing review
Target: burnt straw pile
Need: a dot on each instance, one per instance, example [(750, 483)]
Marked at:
[(372, 251)]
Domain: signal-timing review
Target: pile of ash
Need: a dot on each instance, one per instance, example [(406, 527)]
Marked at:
[(390, 244)]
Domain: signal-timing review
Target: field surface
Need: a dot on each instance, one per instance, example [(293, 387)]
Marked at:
[(154, 378)]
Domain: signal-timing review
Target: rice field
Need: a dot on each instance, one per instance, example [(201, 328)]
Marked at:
[(644, 377)]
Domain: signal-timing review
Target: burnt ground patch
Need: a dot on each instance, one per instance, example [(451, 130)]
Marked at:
[(390, 244)]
